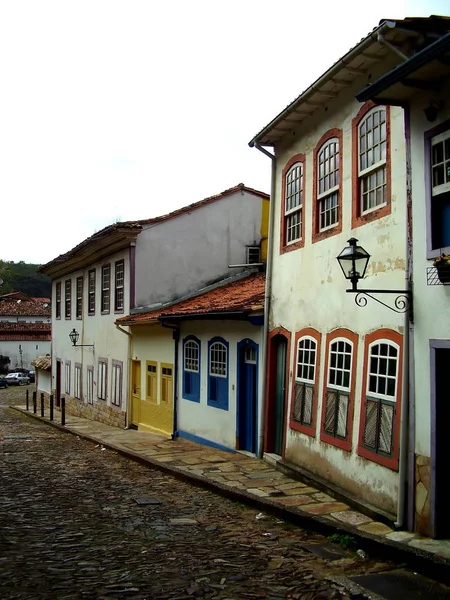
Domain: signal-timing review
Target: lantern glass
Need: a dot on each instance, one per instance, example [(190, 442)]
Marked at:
[(74, 335), (353, 260)]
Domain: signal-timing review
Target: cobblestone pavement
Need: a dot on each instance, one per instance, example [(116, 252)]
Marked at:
[(70, 527)]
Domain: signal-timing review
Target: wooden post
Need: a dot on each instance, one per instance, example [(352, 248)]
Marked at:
[(42, 405), (28, 400), (34, 402), (51, 407), (63, 411)]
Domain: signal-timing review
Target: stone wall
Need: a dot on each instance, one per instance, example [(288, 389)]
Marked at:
[(95, 412), (422, 504)]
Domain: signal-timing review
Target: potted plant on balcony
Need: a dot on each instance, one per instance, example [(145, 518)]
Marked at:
[(442, 264)]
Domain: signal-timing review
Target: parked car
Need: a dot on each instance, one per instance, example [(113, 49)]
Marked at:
[(3, 382), (32, 376), (17, 379)]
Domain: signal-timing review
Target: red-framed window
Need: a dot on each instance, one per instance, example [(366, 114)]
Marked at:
[(339, 388), (292, 226), (371, 176), (327, 185), (305, 384), (379, 430)]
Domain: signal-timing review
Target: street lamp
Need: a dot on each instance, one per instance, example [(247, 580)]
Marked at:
[(353, 261), (75, 336)]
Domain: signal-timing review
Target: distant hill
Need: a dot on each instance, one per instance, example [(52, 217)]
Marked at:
[(24, 277)]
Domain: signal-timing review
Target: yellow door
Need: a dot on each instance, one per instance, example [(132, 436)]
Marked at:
[(135, 391)]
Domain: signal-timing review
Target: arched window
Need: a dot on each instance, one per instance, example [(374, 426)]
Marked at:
[(218, 373), (191, 369)]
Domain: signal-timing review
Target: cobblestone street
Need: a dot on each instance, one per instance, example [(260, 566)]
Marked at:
[(79, 521)]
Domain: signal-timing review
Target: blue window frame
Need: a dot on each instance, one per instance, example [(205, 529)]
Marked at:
[(218, 373), (191, 368)]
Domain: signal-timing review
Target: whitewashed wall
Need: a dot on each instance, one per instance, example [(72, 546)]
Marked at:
[(197, 418), (43, 381), (30, 351)]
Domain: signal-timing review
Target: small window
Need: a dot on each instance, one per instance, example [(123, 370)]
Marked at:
[(250, 355), (304, 381), (106, 284), (68, 298), (102, 379), (77, 390), (67, 377), (119, 283), (79, 307), (152, 381), (293, 203), (372, 154), (191, 369), (328, 184), (90, 385), (218, 374), (379, 416), (116, 391), (166, 383), (337, 400), (58, 300), (440, 191), (253, 255), (91, 292)]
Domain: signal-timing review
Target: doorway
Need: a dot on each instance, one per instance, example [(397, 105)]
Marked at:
[(277, 388), (247, 401), (135, 392), (440, 445)]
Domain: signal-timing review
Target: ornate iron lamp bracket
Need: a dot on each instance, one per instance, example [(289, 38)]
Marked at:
[(402, 302)]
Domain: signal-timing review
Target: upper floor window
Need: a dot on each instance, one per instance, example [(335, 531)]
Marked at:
[(371, 173), (68, 298), (440, 190), (379, 416), (218, 374), (106, 288), (292, 211), (328, 184), (91, 292), (119, 286), (337, 403), (79, 306), (191, 369), (58, 300)]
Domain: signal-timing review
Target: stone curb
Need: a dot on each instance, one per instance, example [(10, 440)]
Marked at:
[(427, 563)]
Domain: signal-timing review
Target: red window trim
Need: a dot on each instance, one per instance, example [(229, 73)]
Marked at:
[(325, 437), (357, 218), (386, 461), (318, 235), (270, 384), (297, 158), (317, 336)]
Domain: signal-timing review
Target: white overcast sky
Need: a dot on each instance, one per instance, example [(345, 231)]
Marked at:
[(126, 110)]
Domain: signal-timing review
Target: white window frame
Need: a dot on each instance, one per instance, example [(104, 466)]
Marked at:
[(297, 364), (102, 379), (330, 368), (330, 192), (306, 402), (381, 164), (67, 377), (191, 346), (296, 209), (90, 385), (377, 395), (116, 383), (220, 361), (106, 289), (340, 389), (77, 382), (438, 139), (119, 285)]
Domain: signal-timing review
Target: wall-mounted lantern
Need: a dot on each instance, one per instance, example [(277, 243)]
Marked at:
[(353, 261), (74, 337)]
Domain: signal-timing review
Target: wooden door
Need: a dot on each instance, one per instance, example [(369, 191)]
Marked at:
[(247, 395), (280, 394)]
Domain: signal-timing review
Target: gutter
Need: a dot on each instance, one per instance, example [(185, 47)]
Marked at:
[(176, 337), (266, 298)]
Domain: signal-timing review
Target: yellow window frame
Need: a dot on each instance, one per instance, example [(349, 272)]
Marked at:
[(151, 381), (166, 382)]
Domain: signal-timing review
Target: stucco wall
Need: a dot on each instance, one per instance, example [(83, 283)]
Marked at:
[(308, 290), (180, 255), (98, 329), (30, 350), (430, 302), (43, 381), (197, 418)]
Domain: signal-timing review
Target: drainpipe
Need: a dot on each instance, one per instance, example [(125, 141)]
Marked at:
[(405, 425), (130, 340), (267, 299), (176, 338)]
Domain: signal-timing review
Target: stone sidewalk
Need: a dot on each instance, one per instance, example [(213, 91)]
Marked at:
[(250, 480)]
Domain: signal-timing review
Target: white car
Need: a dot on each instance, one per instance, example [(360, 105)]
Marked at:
[(17, 379)]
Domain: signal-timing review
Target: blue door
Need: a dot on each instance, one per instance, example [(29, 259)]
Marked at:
[(247, 396)]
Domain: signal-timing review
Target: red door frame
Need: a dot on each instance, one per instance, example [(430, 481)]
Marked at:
[(270, 387)]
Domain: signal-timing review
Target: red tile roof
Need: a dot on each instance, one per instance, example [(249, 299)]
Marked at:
[(17, 304), (23, 332), (243, 296)]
